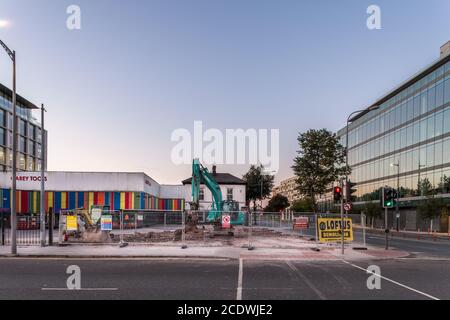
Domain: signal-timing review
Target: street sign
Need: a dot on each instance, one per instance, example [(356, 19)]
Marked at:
[(106, 223), (348, 206), (300, 223), (71, 223), (329, 229), (226, 221)]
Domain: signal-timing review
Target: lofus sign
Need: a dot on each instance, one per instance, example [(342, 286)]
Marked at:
[(329, 229)]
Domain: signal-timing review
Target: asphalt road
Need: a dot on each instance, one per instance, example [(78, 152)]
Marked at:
[(195, 279)]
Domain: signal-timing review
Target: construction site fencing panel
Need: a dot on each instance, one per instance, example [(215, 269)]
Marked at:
[(28, 229)]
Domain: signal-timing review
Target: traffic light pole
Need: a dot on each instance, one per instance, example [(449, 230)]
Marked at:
[(386, 231)]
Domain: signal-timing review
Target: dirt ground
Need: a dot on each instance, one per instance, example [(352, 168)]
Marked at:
[(205, 236)]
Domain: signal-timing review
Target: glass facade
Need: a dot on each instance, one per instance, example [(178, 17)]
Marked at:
[(407, 137), (28, 137)]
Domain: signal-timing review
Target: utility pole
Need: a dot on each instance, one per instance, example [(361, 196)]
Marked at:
[(342, 219), (42, 195)]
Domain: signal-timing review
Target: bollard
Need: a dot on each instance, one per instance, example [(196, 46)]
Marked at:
[(3, 228), (418, 234), (50, 226), (165, 220), (183, 245), (250, 247)]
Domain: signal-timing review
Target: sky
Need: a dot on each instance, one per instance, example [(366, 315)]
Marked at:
[(137, 70)]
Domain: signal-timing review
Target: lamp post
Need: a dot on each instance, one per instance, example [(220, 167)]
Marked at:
[(349, 120), (397, 214), (42, 194), (12, 55)]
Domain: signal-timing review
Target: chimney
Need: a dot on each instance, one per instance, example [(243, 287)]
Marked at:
[(445, 49), (214, 168)]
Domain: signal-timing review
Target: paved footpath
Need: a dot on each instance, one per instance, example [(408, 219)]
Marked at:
[(140, 251)]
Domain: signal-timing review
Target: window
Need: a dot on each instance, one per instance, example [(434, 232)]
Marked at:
[(229, 194), (438, 124), (447, 120), (431, 98), (2, 118), (447, 91), (22, 127), (30, 147), (30, 131), (201, 193), (2, 155), (38, 150), (22, 164), (30, 163), (440, 94), (22, 144), (2, 136)]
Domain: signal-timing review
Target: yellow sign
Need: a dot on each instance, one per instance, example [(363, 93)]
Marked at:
[(71, 223), (329, 229)]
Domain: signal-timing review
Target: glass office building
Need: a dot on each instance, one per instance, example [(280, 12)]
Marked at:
[(406, 141), (29, 138)]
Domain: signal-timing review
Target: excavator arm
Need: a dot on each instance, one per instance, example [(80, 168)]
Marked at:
[(200, 173)]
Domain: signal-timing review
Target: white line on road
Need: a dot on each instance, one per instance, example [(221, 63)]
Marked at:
[(393, 281), (240, 276), (305, 279), (82, 289)]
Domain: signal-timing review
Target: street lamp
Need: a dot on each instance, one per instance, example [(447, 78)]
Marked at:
[(419, 185), (12, 55), (349, 120), (397, 214)]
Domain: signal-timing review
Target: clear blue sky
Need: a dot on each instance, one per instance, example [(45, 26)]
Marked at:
[(116, 89)]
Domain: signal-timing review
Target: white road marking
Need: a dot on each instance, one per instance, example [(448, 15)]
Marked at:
[(305, 279), (393, 281), (82, 289), (240, 276)]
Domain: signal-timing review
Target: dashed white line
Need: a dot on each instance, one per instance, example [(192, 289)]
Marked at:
[(393, 281), (240, 276)]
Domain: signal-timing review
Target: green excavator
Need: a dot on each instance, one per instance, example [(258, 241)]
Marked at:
[(219, 206)]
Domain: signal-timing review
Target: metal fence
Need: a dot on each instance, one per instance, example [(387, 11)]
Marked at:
[(28, 229)]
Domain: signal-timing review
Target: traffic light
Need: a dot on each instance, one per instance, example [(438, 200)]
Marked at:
[(389, 197), (349, 191), (337, 193)]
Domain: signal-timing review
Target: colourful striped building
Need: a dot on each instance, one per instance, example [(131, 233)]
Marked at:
[(118, 191)]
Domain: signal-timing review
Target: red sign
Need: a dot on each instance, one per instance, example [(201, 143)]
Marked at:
[(226, 221), (301, 223), (348, 206)]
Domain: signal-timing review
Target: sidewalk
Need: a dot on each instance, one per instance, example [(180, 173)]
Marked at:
[(423, 235), (146, 251)]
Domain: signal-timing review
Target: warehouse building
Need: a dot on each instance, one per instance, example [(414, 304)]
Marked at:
[(114, 190)]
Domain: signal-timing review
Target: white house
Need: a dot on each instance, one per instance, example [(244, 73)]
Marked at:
[(233, 188)]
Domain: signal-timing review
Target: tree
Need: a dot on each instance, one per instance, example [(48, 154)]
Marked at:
[(319, 163), (372, 210), (255, 178), (277, 203), (424, 187), (444, 185), (302, 205), (431, 208)]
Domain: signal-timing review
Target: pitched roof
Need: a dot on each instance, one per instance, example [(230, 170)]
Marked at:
[(221, 178)]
